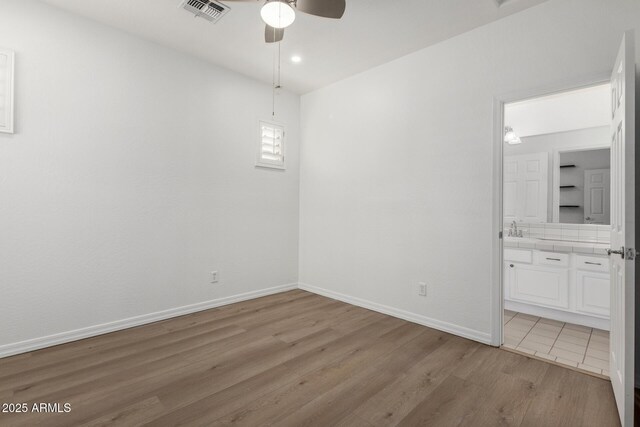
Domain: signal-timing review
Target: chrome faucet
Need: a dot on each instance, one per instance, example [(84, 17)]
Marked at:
[(513, 231)]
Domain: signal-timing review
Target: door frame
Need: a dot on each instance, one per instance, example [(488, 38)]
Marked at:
[(499, 101)]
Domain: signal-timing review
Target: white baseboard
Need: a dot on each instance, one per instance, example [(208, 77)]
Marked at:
[(461, 331), (91, 331)]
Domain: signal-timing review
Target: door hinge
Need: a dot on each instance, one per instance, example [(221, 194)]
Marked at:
[(499, 234)]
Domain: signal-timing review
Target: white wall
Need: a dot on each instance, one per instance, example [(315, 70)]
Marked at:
[(397, 162), (131, 177), (592, 137), (561, 112)]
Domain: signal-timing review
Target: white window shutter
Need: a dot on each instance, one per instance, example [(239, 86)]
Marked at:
[(271, 145), (6, 90)]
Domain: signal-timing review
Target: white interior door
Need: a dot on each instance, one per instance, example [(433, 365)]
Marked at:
[(536, 187), (622, 257), (596, 196), (526, 182), (510, 189)]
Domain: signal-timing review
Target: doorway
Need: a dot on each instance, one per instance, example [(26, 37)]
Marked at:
[(556, 192), (543, 253)]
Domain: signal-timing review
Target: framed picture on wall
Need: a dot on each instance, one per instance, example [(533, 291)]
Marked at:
[(7, 58)]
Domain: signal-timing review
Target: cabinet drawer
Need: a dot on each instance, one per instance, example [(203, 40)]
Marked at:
[(592, 263), (518, 255), (553, 258)]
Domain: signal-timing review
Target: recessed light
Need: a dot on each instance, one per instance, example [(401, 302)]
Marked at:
[(296, 59)]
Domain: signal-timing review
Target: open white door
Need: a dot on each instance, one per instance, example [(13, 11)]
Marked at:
[(623, 251)]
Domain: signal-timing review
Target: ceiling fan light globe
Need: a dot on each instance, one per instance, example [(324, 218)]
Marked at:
[(278, 14)]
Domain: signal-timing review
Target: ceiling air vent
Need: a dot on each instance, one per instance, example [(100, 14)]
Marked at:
[(210, 10)]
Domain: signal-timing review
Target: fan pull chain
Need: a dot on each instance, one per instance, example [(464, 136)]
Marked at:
[(273, 82), (276, 69), (279, 62)]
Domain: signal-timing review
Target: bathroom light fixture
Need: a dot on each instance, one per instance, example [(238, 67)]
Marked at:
[(277, 14), (510, 136), (296, 59)]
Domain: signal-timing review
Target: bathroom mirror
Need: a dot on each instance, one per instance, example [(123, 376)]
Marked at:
[(556, 159), (582, 186)]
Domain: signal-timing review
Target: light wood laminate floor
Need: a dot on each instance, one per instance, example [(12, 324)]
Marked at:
[(296, 359)]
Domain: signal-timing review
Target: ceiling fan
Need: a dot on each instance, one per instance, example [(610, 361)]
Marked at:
[(279, 14)]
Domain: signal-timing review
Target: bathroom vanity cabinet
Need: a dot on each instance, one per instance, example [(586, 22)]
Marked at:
[(568, 287)]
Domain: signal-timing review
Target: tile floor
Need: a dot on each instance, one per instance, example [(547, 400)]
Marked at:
[(574, 345)]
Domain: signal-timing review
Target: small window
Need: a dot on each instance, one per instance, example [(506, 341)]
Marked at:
[(271, 145)]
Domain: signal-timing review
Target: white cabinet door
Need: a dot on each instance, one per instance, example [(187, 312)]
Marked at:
[(593, 293), (526, 187), (506, 279), (540, 285)]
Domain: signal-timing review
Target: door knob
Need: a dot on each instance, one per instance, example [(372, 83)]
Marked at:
[(620, 252)]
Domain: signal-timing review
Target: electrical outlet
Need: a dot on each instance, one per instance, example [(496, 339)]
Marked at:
[(422, 289), (214, 277)]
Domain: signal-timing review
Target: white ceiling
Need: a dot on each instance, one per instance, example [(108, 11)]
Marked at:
[(371, 32)]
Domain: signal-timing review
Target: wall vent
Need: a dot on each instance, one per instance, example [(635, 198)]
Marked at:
[(210, 10)]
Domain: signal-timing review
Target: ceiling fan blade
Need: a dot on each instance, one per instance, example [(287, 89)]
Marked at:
[(273, 35), (325, 8)]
